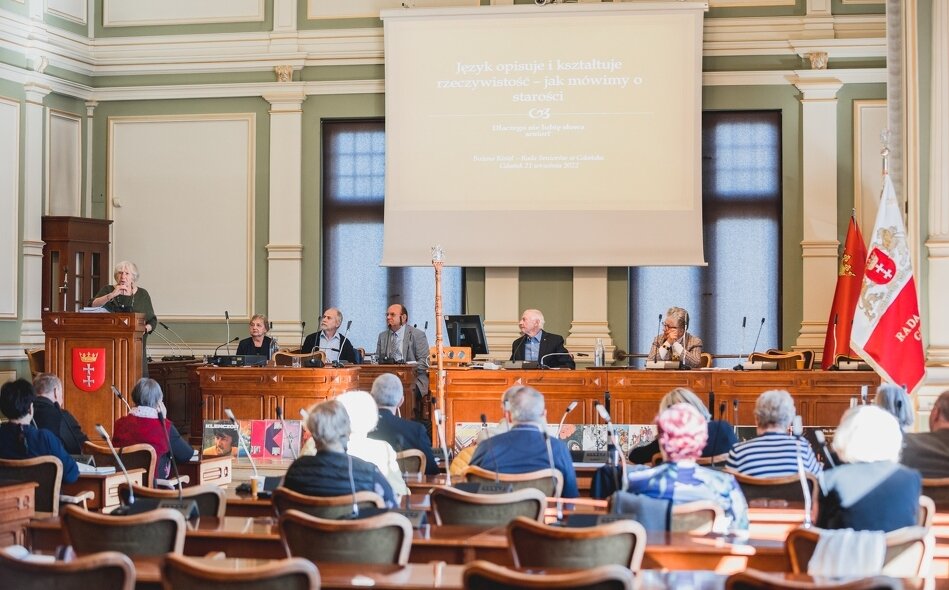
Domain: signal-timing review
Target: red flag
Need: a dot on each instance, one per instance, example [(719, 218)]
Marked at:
[(886, 325), (849, 281)]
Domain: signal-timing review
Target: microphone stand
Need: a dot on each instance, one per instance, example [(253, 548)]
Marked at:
[(227, 320), (798, 430), (543, 365), (118, 394), (182, 340), (553, 474), (105, 435), (563, 418), (741, 349)]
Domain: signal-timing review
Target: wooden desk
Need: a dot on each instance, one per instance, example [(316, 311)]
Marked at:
[(405, 373), (17, 507), (820, 396), (216, 471), (104, 486)]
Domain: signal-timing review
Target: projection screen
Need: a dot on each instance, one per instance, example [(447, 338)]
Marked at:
[(562, 135)]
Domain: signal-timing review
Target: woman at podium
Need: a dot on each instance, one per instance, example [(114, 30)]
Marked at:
[(125, 296), (259, 343)]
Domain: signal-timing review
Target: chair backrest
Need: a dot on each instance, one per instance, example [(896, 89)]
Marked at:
[(909, 550), (211, 500), (697, 518), (534, 544), (484, 575), (411, 461), (786, 487), (151, 533), (927, 511), (786, 361), (549, 481), (452, 506), (938, 490), (182, 573), (37, 359), (137, 456), (715, 460), (756, 580), (384, 539), (108, 569), (284, 358), (47, 471), (323, 506), (706, 360)]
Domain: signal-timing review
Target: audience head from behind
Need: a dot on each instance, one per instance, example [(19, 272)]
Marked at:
[(774, 411), (683, 432), (527, 406), (147, 393), (681, 395), (16, 401), (362, 410), (49, 386), (330, 426), (894, 400), (939, 416), (387, 391), (868, 434)]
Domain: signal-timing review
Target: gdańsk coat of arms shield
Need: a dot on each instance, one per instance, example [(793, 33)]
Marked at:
[(88, 368)]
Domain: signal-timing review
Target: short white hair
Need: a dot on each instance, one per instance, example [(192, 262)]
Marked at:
[(363, 412), (329, 424), (867, 434), (527, 405), (774, 407), (127, 266), (894, 400), (537, 315)]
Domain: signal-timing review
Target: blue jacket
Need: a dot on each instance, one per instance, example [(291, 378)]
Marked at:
[(522, 450), (405, 434), (38, 443)]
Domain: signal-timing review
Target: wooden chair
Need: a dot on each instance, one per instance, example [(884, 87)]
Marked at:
[(285, 358), (927, 511), (182, 573), (484, 575), (411, 461), (909, 550), (451, 506), (706, 360), (697, 518), (330, 507), (938, 490), (47, 472), (808, 356), (37, 360), (716, 460), (211, 500), (755, 580), (534, 544), (141, 455), (546, 480), (108, 569), (787, 488), (383, 539), (152, 533), (786, 361)]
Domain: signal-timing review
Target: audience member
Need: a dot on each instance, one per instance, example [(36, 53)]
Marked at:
[(19, 439), (683, 434), (676, 343), (402, 434), (524, 448), (773, 452), (463, 458), (48, 413), (894, 400), (258, 343), (330, 471), (363, 417), (870, 490), (721, 434), (929, 451), (538, 346), (402, 343)]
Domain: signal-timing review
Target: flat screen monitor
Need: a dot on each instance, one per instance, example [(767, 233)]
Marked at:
[(466, 330)]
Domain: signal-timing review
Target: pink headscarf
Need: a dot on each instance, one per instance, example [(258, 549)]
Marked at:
[(683, 432)]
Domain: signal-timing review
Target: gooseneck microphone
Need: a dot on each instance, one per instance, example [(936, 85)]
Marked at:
[(543, 359), (342, 344), (755, 347), (105, 436), (483, 433), (659, 337), (571, 407), (741, 349), (283, 426), (553, 473), (175, 349), (234, 339), (240, 439), (227, 320), (520, 344), (302, 333), (118, 394), (171, 453), (735, 414), (180, 339), (606, 401), (616, 457), (440, 421), (822, 441), (797, 429)]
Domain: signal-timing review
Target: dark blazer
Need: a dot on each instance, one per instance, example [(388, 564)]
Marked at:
[(414, 348), (347, 353), (880, 496), (246, 347), (928, 452), (405, 434), (549, 344), (327, 474), (49, 416)]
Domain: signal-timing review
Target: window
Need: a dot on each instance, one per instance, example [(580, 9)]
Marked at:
[(353, 202), (741, 202)]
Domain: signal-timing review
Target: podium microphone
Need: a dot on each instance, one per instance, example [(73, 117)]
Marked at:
[(543, 365), (755, 347), (659, 334), (741, 349), (234, 339), (240, 439), (342, 343), (302, 334), (227, 320), (571, 407), (118, 394), (175, 349), (611, 447), (105, 436), (180, 339), (518, 347)]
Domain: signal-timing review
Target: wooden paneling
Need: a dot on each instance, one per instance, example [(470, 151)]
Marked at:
[(16, 509), (405, 373)]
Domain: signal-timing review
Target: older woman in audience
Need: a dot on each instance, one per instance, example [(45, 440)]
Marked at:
[(894, 400), (683, 434), (774, 452), (871, 490), (328, 472), (20, 439), (363, 417), (721, 434), (147, 423)]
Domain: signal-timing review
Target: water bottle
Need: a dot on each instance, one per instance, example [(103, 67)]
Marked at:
[(599, 353)]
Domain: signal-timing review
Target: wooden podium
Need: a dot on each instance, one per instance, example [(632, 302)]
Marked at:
[(91, 352)]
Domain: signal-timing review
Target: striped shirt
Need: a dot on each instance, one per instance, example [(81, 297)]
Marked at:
[(772, 454)]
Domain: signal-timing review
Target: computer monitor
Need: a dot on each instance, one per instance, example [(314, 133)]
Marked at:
[(466, 330)]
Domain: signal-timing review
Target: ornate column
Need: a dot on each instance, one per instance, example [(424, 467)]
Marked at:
[(87, 202), (34, 174), (819, 202), (285, 247), (590, 313), (501, 309)]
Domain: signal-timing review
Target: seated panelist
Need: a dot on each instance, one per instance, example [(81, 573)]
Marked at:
[(676, 343), (536, 345), (259, 343), (334, 344)]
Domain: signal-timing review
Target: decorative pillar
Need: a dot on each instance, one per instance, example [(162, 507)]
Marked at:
[(87, 202), (34, 174), (285, 246), (590, 312), (283, 39), (819, 202), (501, 309)]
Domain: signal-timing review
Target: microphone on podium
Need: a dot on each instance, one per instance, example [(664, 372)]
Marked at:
[(118, 394)]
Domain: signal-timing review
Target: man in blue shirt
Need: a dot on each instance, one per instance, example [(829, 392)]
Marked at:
[(536, 345), (524, 448)]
